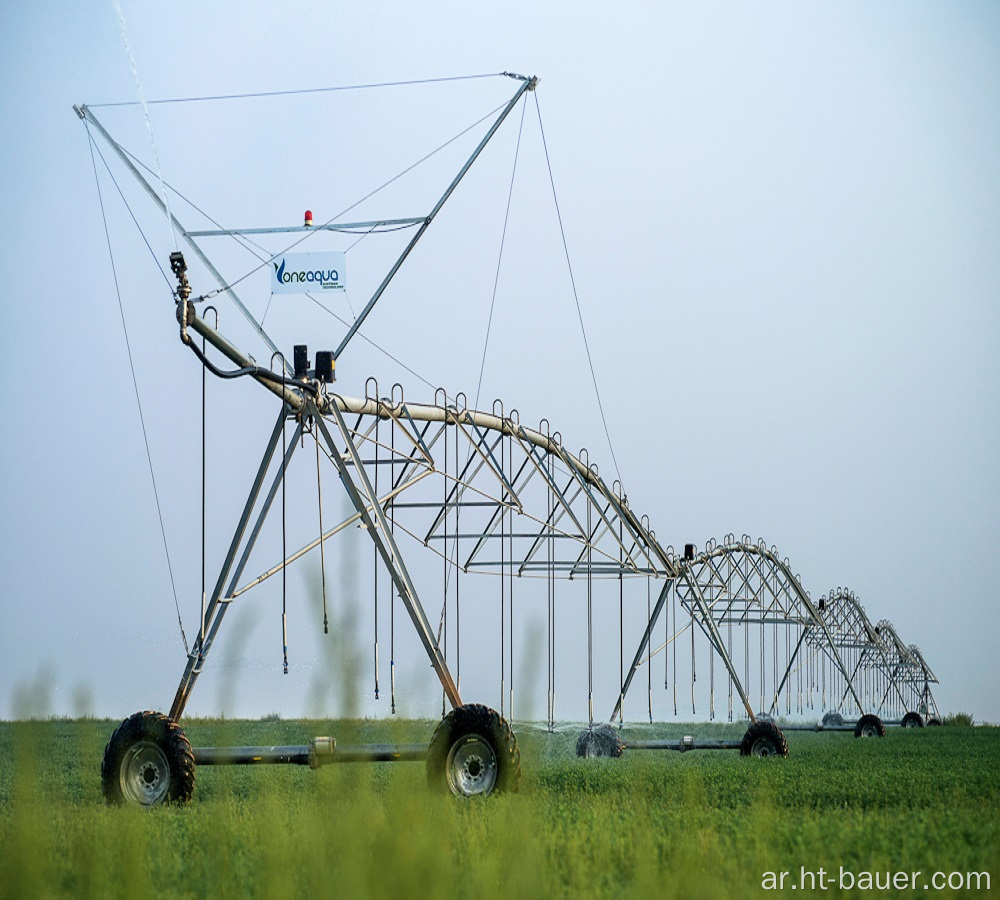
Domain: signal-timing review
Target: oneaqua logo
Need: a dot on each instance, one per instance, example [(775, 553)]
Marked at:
[(299, 272), (318, 277)]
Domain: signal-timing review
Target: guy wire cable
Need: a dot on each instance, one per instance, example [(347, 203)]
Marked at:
[(135, 386)]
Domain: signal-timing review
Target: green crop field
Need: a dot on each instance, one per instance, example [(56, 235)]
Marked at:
[(654, 824)]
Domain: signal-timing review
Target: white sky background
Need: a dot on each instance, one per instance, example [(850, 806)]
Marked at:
[(784, 229)]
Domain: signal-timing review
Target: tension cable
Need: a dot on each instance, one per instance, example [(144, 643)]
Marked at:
[(346, 210), (576, 296), (135, 386), (299, 91), (503, 239)]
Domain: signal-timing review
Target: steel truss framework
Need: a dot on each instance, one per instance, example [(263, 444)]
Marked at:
[(926, 705), (487, 494), (891, 678), (909, 673), (779, 647), (760, 622), (864, 651), (482, 491)]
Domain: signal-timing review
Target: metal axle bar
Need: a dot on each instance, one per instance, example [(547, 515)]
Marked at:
[(683, 745), (320, 751), (845, 727)]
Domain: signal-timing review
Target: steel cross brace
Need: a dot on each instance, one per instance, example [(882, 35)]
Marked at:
[(643, 644), (817, 618), (381, 535), (528, 84), (705, 622), (378, 529), (788, 671), (424, 222), (792, 589), (219, 602), (87, 115), (830, 648)]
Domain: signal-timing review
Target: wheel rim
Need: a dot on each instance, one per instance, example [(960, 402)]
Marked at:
[(145, 774), (471, 767), (763, 747), (869, 731), (909, 723)]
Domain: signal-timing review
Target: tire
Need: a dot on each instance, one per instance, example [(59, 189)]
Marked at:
[(869, 725), (832, 718), (912, 720), (600, 741), (148, 761), (473, 753), (764, 739), (933, 723)]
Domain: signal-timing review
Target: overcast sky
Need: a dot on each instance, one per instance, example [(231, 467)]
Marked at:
[(783, 222)]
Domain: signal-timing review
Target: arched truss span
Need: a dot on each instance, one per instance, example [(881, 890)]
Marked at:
[(488, 494), (863, 650), (498, 467), (745, 600), (926, 704), (910, 675), (479, 489), (890, 678)]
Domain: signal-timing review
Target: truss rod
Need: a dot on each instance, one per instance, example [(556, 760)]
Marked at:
[(386, 545), (216, 609), (526, 84), (85, 113), (293, 229), (643, 645)]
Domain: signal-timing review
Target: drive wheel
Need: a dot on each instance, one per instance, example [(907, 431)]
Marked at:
[(473, 753), (764, 739), (912, 720), (869, 725), (148, 761)]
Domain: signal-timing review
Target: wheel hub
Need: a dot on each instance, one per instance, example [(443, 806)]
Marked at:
[(145, 774), (471, 767)]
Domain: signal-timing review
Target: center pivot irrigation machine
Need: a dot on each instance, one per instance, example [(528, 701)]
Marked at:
[(479, 492)]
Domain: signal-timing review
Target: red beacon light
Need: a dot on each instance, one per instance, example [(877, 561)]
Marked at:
[(309, 218)]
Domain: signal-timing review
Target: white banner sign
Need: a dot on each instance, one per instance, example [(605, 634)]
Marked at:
[(296, 273)]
